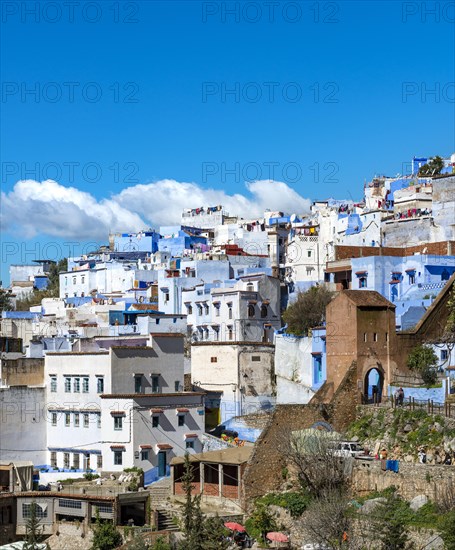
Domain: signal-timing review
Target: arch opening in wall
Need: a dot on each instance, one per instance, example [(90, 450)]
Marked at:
[(373, 386)]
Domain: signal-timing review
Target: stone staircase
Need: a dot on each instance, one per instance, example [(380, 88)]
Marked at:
[(165, 521), (160, 492)]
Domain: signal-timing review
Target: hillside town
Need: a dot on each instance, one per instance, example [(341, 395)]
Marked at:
[(200, 351)]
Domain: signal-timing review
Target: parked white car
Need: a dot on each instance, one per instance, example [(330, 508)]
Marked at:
[(348, 448)]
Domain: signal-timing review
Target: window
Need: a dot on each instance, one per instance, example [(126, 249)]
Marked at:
[(199, 309), (138, 384), (82, 279), (68, 503), (77, 385), (144, 455), (190, 444), (118, 422), (76, 461), (213, 359), (309, 253), (189, 309), (362, 282), (216, 334), (386, 336), (76, 420), (53, 384), (375, 336), (364, 336), (54, 459), (177, 385), (39, 511), (85, 385), (54, 419), (264, 311), (217, 310), (74, 280), (250, 310), (444, 355), (230, 333), (100, 384), (166, 297), (255, 358), (155, 421), (230, 312), (181, 419), (66, 460), (66, 281), (412, 278), (99, 462), (105, 508), (86, 420), (118, 458), (67, 419), (155, 384), (67, 385), (98, 420)]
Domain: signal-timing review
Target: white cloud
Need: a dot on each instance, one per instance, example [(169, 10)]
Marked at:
[(34, 208)]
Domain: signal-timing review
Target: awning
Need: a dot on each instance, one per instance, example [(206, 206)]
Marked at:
[(316, 353), (252, 302), (393, 282), (361, 272), (146, 446), (265, 302), (190, 436), (164, 446), (410, 270), (183, 410), (156, 411), (118, 413), (118, 447)]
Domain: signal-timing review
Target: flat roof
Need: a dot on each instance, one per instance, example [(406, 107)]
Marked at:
[(232, 455)]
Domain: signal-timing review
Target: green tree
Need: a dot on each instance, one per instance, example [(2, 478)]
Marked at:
[(199, 532), (105, 535), (308, 310), (388, 524), (192, 524), (5, 300), (448, 530), (33, 530), (424, 360), (432, 167), (260, 523)]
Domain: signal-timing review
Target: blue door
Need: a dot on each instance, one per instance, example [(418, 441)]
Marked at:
[(162, 463)]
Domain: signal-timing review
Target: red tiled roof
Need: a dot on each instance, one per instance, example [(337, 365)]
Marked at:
[(164, 446), (156, 411), (118, 413), (190, 436), (183, 410), (119, 447), (145, 446)]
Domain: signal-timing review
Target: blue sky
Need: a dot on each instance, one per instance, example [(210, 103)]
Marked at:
[(351, 85)]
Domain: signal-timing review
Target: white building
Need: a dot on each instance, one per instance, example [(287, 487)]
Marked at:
[(92, 395)]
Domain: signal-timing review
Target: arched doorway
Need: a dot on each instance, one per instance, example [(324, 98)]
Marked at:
[(373, 386)]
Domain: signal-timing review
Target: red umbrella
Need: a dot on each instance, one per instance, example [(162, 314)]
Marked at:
[(235, 526), (278, 537)]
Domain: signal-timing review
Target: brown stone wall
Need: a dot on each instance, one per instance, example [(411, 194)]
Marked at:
[(443, 248), (410, 481), (263, 472), (23, 371)]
